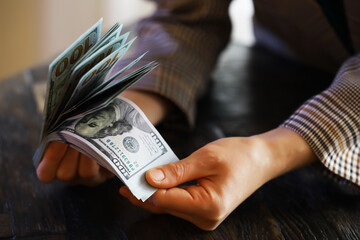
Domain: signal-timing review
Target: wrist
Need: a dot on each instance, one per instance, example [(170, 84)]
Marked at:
[(153, 105), (286, 151)]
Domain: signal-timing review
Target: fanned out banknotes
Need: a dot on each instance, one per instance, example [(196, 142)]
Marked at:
[(83, 109)]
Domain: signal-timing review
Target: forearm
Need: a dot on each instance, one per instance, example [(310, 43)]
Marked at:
[(185, 37), (284, 149)]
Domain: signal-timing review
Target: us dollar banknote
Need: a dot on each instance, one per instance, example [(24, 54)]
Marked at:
[(60, 67), (121, 139), (83, 109)]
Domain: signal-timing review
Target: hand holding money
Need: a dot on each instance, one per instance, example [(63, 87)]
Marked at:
[(226, 171), (62, 162), (65, 163), (83, 110)]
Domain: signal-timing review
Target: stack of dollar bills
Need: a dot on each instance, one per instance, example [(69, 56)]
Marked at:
[(83, 109)]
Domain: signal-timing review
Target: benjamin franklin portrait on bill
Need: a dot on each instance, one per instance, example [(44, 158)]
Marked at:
[(115, 119)]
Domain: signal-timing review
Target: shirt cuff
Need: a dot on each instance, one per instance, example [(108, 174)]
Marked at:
[(330, 123)]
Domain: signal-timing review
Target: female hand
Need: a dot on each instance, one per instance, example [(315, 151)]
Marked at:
[(227, 172), (62, 162)]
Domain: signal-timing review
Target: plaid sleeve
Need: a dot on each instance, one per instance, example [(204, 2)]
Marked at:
[(185, 37), (330, 123)]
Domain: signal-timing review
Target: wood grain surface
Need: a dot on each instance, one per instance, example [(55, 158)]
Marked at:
[(251, 91)]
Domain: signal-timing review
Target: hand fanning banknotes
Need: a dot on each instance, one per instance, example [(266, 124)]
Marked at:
[(83, 109)]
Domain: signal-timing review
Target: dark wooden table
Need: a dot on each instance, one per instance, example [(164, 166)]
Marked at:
[(252, 91)]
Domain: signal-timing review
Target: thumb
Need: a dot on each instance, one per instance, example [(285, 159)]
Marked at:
[(177, 173)]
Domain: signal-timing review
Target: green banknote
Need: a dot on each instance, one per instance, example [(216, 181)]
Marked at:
[(83, 109)]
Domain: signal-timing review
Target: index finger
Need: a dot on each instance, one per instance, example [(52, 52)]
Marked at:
[(186, 200)]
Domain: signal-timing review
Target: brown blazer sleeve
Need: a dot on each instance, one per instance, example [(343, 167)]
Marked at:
[(330, 122), (185, 37)]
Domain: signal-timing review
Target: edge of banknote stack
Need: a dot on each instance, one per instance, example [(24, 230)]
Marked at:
[(83, 109)]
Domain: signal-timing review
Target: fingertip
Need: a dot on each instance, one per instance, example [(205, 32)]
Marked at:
[(154, 199), (44, 176), (124, 191)]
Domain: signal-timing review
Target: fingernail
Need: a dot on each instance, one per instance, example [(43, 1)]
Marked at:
[(156, 174)]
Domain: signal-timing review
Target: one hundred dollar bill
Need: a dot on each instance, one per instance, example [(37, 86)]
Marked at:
[(121, 139), (84, 110), (60, 67)]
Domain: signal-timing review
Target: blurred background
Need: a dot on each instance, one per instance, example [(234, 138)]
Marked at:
[(36, 31)]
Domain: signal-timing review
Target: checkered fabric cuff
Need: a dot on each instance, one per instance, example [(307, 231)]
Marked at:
[(330, 123)]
